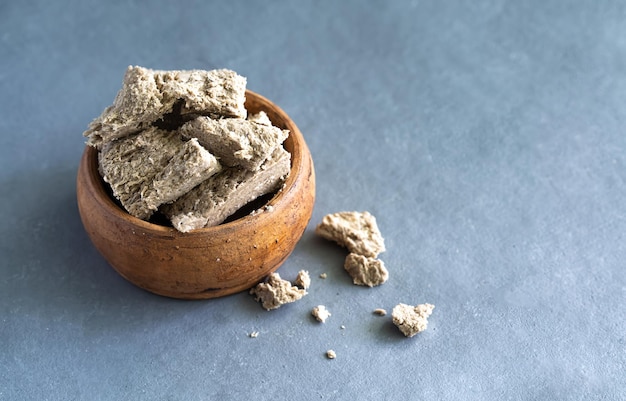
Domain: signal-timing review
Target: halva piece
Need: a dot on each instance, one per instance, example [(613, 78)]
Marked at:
[(211, 202), (236, 142), (357, 231), (148, 96), (276, 292), (320, 313), (133, 165), (411, 319), (365, 271), (188, 168)]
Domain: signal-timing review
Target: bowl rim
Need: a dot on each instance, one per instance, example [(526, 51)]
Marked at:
[(274, 112)]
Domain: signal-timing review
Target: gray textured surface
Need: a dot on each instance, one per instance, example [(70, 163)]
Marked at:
[(486, 136)]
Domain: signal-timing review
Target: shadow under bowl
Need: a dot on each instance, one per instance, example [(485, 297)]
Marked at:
[(209, 262)]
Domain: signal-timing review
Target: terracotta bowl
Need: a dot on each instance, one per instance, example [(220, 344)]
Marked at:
[(209, 262)]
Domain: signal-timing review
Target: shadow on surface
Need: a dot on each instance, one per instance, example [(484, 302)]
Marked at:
[(53, 271)]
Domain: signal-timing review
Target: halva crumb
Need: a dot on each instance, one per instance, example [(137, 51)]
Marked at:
[(411, 319), (276, 292), (303, 280), (380, 312), (366, 271), (320, 313), (323, 275), (330, 354), (254, 334)]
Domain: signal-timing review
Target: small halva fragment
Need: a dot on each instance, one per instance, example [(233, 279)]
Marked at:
[(188, 168), (411, 319), (276, 292), (321, 313), (356, 231), (365, 271)]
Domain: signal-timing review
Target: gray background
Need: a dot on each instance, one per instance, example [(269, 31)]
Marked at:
[(486, 136)]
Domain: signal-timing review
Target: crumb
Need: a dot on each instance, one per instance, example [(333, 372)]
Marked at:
[(330, 354), (303, 280), (321, 313), (354, 230), (380, 312), (323, 275), (276, 292), (411, 319), (342, 327), (253, 334), (366, 271)]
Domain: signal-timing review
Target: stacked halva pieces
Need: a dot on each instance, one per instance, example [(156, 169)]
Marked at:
[(182, 143)]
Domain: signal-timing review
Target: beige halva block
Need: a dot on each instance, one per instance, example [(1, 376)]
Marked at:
[(148, 96), (357, 231), (153, 167), (411, 319), (211, 202), (236, 142)]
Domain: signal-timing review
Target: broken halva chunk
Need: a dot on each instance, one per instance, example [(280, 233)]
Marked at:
[(366, 271), (411, 319), (356, 231), (216, 198), (154, 167), (276, 292), (148, 96)]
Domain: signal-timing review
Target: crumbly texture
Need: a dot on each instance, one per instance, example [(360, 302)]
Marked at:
[(236, 142), (320, 313), (323, 276), (411, 319), (366, 271), (260, 118), (303, 279), (276, 292), (357, 231), (253, 334), (145, 170), (211, 202), (148, 96), (330, 354), (380, 312), (186, 169)]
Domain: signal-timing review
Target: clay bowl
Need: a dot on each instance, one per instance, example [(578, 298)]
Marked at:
[(209, 262)]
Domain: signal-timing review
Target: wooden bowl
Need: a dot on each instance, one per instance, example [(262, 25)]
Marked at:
[(209, 262)]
